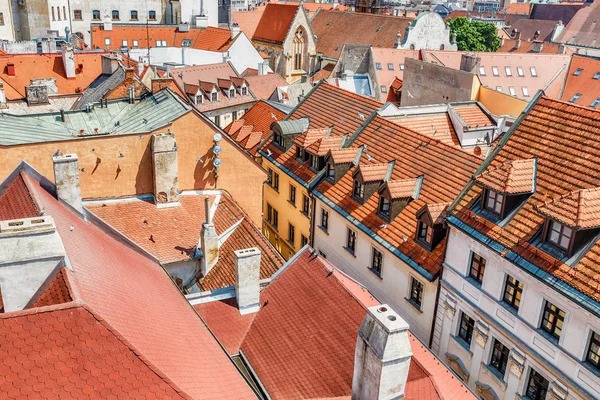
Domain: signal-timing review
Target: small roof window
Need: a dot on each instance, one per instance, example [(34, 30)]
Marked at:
[(482, 71), (378, 66), (533, 71), (575, 98), (520, 71), (596, 76), (495, 71), (578, 71)]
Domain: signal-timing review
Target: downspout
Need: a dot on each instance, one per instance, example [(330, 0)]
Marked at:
[(313, 211)]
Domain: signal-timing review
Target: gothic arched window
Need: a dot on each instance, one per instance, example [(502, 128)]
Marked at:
[(299, 48)]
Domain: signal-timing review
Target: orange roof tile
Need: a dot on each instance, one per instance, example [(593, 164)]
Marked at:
[(58, 292), (233, 128), (263, 86), (564, 139), (513, 177), (322, 146), (43, 66), (374, 172), (473, 116), (436, 211), (394, 58), (526, 46), (310, 136), (402, 188), (579, 209), (248, 20), (345, 155), (275, 23), (16, 202), (243, 133), (253, 140), (519, 8), (585, 84)]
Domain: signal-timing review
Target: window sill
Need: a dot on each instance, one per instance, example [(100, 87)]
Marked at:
[(273, 187), (509, 308), (552, 339), (304, 213), (324, 230), (473, 282), (349, 250), (496, 375), (290, 243), (591, 369), (293, 204), (374, 271), (270, 225), (466, 346), (414, 304)]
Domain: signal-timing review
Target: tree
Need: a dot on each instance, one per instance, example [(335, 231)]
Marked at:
[(474, 35)]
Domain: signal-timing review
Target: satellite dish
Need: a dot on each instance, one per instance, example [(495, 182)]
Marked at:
[(217, 162), (216, 149), (217, 137)]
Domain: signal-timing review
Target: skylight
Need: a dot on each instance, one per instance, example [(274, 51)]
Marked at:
[(495, 71), (508, 71), (482, 71), (597, 76), (520, 71), (574, 98), (595, 102), (378, 65), (533, 71), (578, 71), (512, 91), (525, 91)]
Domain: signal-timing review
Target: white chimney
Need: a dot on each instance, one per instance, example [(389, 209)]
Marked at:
[(66, 178), (538, 46), (382, 357), (166, 174), (68, 57), (235, 30), (262, 68), (201, 21), (209, 241), (247, 280), (2, 96)]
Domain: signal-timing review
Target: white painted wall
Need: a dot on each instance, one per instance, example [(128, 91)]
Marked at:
[(6, 29), (394, 285), (428, 31), (60, 20), (514, 330)]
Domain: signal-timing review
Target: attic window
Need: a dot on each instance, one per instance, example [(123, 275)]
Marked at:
[(383, 89), (214, 96), (402, 67), (512, 91), (578, 71), (186, 43), (533, 71), (358, 190), (595, 102), (559, 235), (96, 15), (494, 201), (575, 98), (384, 206), (508, 71), (482, 71), (330, 172), (390, 66), (495, 71), (520, 71), (525, 91), (231, 93), (596, 76), (378, 66), (424, 233), (244, 91)]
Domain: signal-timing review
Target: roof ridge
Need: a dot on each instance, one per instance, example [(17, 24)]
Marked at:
[(39, 310)]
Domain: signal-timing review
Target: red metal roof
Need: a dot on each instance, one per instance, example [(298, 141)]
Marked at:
[(583, 83), (275, 23)]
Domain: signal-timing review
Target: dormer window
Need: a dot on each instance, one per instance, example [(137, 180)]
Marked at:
[(299, 152), (359, 190), (244, 91), (214, 96), (424, 233), (431, 226), (494, 201), (232, 93), (278, 139), (384, 206), (560, 235), (330, 172)]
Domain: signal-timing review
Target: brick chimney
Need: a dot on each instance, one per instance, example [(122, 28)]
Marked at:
[(382, 357), (538, 46), (470, 63), (209, 242), (66, 178), (247, 280), (164, 165), (109, 64), (68, 58), (562, 49)]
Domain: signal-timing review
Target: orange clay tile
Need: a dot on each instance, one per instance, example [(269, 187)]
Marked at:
[(343, 156), (512, 177), (473, 116), (402, 189), (374, 172), (579, 209), (307, 138)]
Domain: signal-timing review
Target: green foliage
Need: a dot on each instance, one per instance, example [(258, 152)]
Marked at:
[(474, 35)]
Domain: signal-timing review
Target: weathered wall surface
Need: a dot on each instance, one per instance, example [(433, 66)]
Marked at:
[(429, 31)]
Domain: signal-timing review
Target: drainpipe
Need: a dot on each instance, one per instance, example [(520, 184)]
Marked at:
[(313, 211)]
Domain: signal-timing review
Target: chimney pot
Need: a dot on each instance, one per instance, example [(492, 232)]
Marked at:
[(470, 63), (247, 280), (66, 178)]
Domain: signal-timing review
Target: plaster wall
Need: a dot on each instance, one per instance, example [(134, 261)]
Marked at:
[(187, 271), (6, 29), (558, 361), (393, 287), (429, 31), (500, 103)]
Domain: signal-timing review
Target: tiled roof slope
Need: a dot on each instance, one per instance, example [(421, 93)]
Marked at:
[(445, 168), (58, 292), (557, 12), (167, 334), (16, 201), (579, 209), (172, 234), (564, 138), (513, 177), (584, 83), (529, 27), (334, 29), (519, 8), (582, 29), (395, 57), (263, 86), (275, 23), (260, 117), (308, 301), (69, 352), (326, 106), (248, 20), (509, 18), (508, 46), (209, 39), (42, 66)]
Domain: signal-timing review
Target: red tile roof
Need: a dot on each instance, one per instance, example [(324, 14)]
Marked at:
[(395, 57), (584, 83), (571, 163), (473, 116), (579, 209), (58, 292), (17, 202), (334, 29), (172, 234), (263, 86), (260, 116), (446, 170), (519, 8), (88, 67), (582, 29), (508, 46), (308, 301), (509, 18), (209, 39), (158, 344), (512, 177), (529, 28), (248, 20), (275, 23)]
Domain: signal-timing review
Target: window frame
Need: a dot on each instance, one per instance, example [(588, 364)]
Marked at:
[(383, 88), (134, 15), (465, 333), (77, 16), (427, 238), (578, 71), (477, 266), (533, 71), (557, 243), (351, 241), (151, 15), (107, 41), (303, 240), (378, 66), (517, 292), (275, 183), (383, 200), (116, 13), (376, 261), (513, 91), (499, 356), (520, 72), (536, 376), (547, 311), (359, 187), (292, 195), (291, 234), (594, 340), (495, 71), (305, 204), (96, 15), (525, 91), (390, 66), (324, 219), (273, 217), (575, 97), (498, 198), (508, 70), (482, 71), (330, 172), (417, 289)]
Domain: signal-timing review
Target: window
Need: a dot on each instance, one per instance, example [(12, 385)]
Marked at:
[(578, 71), (218, 120), (293, 195), (305, 204), (482, 71), (161, 43), (324, 220), (512, 91), (477, 267), (275, 183), (384, 206), (272, 216), (107, 41), (53, 16), (299, 49), (513, 290), (560, 235), (390, 66), (525, 91), (134, 15), (124, 43), (351, 241), (303, 240), (115, 14), (537, 386), (383, 89), (1, 18), (244, 91), (64, 12), (520, 71), (424, 233), (234, 115), (231, 93), (416, 292), (495, 71), (135, 43), (552, 320), (186, 43), (359, 190), (465, 329), (376, 261), (533, 71), (76, 15), (96, 15), (593, 353), (494, 201), (330, 172), (378, 65), (508, 71), (575, 98), (402, 67), (291, 233), (58, 12), (152, 15), (499, 88), (499, 357), (214, 96), (596, 76), (595, 102)]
